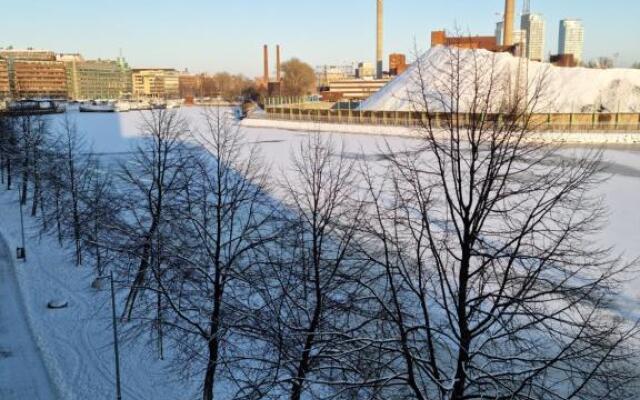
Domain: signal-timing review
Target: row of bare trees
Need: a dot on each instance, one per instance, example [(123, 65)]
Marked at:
[(460, 267)]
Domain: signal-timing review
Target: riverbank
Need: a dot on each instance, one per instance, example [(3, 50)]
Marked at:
[(596, 138)]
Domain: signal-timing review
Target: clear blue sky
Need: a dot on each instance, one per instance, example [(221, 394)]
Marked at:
[(217, 35)]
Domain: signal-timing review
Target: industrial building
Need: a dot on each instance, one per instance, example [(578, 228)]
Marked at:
[(160, 83), (440, 38), (397, 64), (97, 79), (571, 39), (355, 89), (533, 30), (365, 70), (325, 74)]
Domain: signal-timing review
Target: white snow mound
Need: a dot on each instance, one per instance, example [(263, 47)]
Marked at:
[(561, 90)]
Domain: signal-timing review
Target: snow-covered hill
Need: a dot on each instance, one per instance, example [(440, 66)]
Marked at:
[(564, 89)]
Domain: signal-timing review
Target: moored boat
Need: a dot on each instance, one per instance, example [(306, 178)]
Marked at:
[(97, 106)]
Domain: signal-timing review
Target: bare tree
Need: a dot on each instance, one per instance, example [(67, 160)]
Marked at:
[(493, 287), (226, 218), (150, 183)]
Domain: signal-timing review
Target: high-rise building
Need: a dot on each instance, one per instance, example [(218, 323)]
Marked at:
[(533, 27), (97, 79), (499, 33), (571, 38), (163, 83)]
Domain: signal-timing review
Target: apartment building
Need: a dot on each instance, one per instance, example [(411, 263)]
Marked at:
[(163, 83)]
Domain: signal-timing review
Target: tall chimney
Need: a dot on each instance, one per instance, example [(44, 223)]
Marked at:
[(278, 63), (266, 64), (509, 15), (379, 39)]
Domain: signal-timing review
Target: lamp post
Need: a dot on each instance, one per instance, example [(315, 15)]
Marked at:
[(115, 334)]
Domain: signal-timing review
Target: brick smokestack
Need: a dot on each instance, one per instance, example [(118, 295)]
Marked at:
[(278, 63), (509, 15), (266, 64), (379, 40)]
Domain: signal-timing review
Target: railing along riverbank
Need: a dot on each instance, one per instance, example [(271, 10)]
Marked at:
[(543, 122)]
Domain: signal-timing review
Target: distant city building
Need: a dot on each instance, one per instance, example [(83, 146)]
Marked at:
[(365, 70), (499, 33), (397, 64), (5, 90), (440, 38), (189, 85), (356, 89), (571, 38), (161, 83), (520, 39), (533, 28), (32, 79), (34, 73), (97, 79)]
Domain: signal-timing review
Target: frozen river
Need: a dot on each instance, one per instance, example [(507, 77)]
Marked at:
[(117, 133)]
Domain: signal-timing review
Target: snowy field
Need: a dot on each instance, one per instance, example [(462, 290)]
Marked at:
[(75, 343)]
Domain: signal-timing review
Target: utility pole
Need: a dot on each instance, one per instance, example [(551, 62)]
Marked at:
[(114, 323), (115, 337)]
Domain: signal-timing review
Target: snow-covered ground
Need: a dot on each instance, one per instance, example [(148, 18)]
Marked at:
[(23, 374), (75, 344)]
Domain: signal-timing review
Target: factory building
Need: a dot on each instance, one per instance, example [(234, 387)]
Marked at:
[(355, 89), (397, 64), (160, 83), (440, 38), (571, 38)]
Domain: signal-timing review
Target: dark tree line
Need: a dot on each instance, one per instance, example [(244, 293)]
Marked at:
[(460, 268)]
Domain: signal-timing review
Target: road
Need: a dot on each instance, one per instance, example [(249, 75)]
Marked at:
[(22, 372)]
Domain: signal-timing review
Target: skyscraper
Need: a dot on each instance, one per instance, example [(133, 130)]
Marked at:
[(533, 26), (499, 32), (571, 38)]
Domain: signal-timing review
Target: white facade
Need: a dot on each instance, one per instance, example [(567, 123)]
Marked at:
[(499, 32), (533, 26), (571, 38)]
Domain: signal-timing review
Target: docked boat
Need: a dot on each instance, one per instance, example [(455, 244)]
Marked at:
[(138, 105), (97, 106), (36, 106), (174, 103)]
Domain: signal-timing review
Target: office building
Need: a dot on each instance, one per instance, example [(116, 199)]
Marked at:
[(5, 91), (96, 79), (162, 83), (571, 38), (533, 30), (34, 73)]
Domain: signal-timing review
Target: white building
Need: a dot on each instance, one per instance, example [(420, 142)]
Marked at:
[(533, 27), (571, 38)]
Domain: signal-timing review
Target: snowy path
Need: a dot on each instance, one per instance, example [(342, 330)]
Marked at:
[(22, 372)]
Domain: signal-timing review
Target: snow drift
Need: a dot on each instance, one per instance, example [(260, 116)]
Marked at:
[(562, 90)]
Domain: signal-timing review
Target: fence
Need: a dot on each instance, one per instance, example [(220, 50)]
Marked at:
[(551, 122)]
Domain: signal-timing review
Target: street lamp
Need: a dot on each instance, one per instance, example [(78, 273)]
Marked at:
[(115, 333), (21, 253)]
